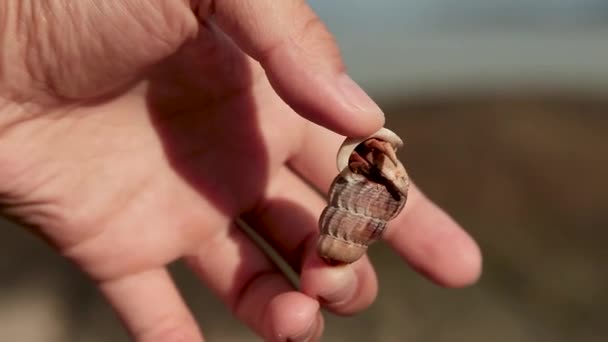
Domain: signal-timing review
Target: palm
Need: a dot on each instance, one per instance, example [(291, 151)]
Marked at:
[(159, 171), (160, 151)]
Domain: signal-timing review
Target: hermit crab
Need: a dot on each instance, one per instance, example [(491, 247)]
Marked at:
[(370, 190)]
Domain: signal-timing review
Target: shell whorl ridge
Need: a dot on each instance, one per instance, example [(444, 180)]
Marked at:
[(370, 190)]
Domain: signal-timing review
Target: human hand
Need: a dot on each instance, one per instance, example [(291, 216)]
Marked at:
[(133, 133)]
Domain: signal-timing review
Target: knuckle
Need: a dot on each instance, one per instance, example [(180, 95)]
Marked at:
[(309, 26)]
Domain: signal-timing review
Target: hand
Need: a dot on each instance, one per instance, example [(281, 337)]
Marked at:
[(133, 133)]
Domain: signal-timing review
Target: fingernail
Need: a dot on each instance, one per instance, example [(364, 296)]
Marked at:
[(310, 334), (342, 284), (356, 96)]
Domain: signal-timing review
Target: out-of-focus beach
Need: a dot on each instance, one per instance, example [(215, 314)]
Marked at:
[(506, 128)]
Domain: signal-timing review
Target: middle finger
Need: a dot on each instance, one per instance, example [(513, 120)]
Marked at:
[(423, 234)]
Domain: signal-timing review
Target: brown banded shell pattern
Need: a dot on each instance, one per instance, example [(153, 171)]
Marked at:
[(357, 214)]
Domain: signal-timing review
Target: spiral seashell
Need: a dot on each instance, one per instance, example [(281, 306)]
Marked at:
[(370, 190)]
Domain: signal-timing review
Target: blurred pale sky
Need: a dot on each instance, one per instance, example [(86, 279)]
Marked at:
[(410, 46)]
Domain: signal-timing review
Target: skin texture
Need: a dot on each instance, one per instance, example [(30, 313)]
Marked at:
[(133, 133)]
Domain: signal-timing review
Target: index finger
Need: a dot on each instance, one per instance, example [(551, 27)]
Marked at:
[(302, 62)]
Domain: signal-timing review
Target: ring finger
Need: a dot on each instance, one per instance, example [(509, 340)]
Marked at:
[(287, 218)]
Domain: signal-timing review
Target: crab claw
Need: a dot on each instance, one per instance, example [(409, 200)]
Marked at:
[(384, 147)]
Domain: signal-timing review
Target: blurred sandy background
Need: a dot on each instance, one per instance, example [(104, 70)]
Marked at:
[(504, 109)]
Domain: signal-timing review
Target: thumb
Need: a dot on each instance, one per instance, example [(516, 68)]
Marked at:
[(301, 60)]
